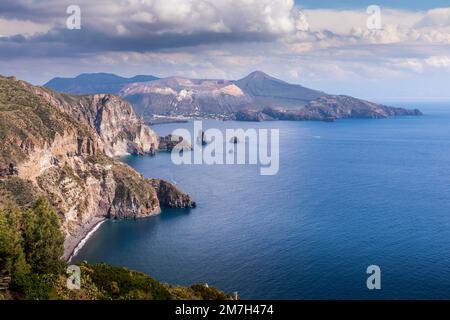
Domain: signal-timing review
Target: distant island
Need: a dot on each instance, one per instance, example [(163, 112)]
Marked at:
[(257, 97)]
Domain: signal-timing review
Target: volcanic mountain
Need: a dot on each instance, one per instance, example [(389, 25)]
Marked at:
[(257, 97), (92, 83)]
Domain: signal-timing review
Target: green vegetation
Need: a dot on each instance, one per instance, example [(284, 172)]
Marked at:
[(121, 283), (31, 244), (30, 250), (42, 239)]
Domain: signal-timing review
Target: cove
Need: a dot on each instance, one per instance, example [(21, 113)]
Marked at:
[(348, 195)]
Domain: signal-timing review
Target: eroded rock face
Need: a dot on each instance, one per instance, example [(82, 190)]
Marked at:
[(113, 119), (170, 196), (170, 142), (117, 125), (59, 146)]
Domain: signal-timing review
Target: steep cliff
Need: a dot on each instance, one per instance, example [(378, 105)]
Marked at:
[(113, 119), (170, 196), (59, 146)]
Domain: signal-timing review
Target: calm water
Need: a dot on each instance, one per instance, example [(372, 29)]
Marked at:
[(348, 195)]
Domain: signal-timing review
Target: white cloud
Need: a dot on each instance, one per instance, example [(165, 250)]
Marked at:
[(217, 38), (11, 27), (438, 61), (439, 17)]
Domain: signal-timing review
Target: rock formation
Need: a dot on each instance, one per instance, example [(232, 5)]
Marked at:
[(234, 140), (170, 196), (113, 119), (59, 146), (170, 142)]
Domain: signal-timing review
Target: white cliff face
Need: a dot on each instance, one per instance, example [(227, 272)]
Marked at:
[(113, 119), (118, 127)]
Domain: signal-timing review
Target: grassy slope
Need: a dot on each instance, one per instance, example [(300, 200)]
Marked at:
[(105, 282)]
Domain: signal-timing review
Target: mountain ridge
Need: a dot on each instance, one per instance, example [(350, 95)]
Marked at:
[(92, 83), (256, 97)]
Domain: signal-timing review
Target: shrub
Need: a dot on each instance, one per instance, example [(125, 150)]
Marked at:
[(121, 283), (43, 239), (12, 257), (36, 286), (208, 293)]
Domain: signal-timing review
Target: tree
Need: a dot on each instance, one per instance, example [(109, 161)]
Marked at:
[(12, 257), (43, 239)]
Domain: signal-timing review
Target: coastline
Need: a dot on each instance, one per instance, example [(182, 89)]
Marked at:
[(73, 244)]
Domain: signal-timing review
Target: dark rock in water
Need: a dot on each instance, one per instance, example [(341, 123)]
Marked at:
[(153, 150), (234, 140), (201, 138), (170, 142), (170, 196)]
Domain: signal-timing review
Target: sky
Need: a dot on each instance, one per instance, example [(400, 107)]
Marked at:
[(358, 4), (335, 46)]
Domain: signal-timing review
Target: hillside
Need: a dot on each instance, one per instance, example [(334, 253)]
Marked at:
[(267, 91), (59, 178), (182, 96), (91, 83), (61, 146), (256, 97)]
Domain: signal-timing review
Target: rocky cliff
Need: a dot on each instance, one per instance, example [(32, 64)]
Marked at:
[(113, 119), (170, 196), (59, 146)]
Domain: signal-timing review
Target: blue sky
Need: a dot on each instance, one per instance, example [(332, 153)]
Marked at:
[(326, 45), (358, 4)]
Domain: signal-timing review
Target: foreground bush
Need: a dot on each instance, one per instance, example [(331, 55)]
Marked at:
[(31, 246)]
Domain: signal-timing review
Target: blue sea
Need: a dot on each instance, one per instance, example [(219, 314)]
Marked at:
[(348, 195)]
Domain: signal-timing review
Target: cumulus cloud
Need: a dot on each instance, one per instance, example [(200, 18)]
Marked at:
[(166, 16), (439, 61), (439, 17), (144, 25), (221, 38)]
